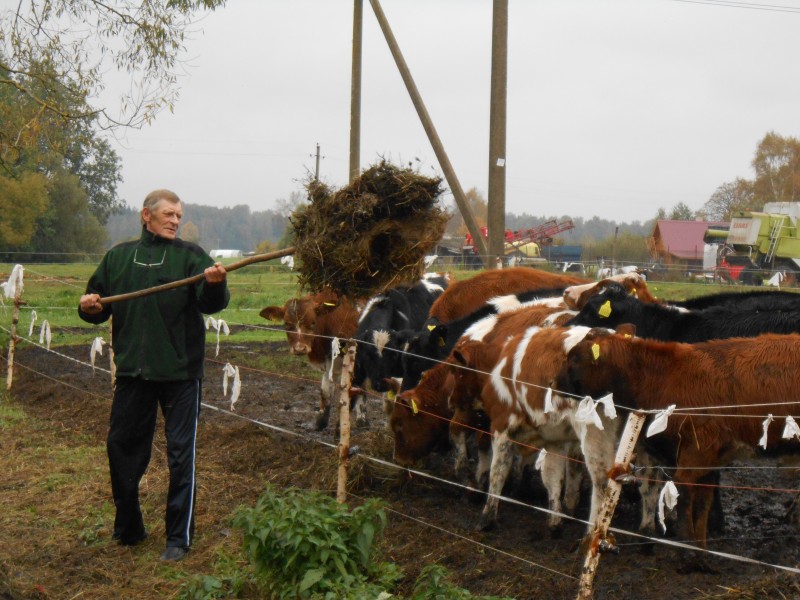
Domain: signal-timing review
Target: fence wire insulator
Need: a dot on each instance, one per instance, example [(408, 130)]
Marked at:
[(608, 547)]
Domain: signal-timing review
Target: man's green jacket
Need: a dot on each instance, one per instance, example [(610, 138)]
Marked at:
[(160, 337)]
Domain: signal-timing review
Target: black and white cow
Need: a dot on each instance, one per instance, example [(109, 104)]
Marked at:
[(378, 355)]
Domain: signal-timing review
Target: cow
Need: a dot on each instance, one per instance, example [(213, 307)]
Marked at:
[(466, 296), (432, 343), (749, 299), (378, 356), (312, 322), (751, 316), (576, 296), (718, 389)]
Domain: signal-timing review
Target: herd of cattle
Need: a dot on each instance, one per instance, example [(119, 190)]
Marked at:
[(520, 363)]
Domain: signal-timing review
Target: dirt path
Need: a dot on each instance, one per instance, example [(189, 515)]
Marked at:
[(429, 521)]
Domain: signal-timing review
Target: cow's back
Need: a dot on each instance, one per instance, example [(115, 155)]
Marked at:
[(466, 296)]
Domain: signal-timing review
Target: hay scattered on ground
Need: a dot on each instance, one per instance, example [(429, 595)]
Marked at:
[(370, 235)]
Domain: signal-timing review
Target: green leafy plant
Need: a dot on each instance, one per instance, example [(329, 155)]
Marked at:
[(306, 545)]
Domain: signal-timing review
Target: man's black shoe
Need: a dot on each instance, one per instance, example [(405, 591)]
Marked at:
[(174, 553), (129, 541)]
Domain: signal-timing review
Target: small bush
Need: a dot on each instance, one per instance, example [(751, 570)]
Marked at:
[(305, 544)]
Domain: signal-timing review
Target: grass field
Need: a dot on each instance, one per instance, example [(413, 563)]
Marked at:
[(53, 291)]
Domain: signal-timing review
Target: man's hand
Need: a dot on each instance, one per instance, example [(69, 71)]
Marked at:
[(90, 304), (215, 274)]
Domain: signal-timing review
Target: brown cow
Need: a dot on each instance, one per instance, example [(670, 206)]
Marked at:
[(311, 324), (576, 296), (462, 298), (729, 379)]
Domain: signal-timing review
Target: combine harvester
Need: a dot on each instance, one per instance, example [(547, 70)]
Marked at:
[(758, 244)]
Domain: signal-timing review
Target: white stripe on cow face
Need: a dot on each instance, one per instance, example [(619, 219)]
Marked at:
[(499, 384), (574, 335), (433, 288), (478, 330), (380, 338)]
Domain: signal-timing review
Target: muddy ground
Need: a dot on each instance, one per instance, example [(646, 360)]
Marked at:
[(429, 521)]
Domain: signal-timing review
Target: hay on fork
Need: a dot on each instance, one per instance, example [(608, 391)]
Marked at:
[(369, 235)]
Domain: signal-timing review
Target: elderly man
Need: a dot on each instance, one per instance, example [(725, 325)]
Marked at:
[(158, 342)]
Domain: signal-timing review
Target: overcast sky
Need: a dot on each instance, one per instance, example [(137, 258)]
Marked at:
[(615, 107)]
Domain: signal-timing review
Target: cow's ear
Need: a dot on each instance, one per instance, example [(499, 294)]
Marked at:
[(626, 329), (272, 313)]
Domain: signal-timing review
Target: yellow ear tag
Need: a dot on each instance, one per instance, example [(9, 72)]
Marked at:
[(596, 351), (414, 408), (329, 303), (628, 335), (605, 310), (431, 327), (390, 394)]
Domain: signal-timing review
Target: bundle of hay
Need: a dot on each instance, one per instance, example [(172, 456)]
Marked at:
[(370, 235)]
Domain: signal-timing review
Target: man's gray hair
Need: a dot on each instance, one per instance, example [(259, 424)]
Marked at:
[(156, 196)]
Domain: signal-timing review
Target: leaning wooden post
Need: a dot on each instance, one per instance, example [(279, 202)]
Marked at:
[(599, 544), (16, 280), (344, 420)]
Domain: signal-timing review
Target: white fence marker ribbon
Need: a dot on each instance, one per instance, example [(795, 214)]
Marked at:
[(669, 496), (540, 459), (334, 353), (764, 426), (587, 413), (14, 282), (97, 347), (659, 423), (608, 406), (44, 333), (212, 322), (548, 401), (230, 371), (33, 320), (791, 429), (289, 261)]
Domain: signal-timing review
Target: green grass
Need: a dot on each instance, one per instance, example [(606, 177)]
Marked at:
[(53, 291)]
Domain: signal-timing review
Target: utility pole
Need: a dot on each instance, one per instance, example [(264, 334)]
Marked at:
[(497, 129), (355, 91), (316, 169)]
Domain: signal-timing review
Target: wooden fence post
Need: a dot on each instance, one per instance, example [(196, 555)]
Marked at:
[(599, 543), (346, 378), (12, 342)]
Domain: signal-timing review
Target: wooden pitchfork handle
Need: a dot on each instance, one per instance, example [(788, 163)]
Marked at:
[(199, 277)]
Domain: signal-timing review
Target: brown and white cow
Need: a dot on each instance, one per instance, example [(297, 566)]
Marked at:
[(312, 322), (576, 296), (466, 296), (722, 384)]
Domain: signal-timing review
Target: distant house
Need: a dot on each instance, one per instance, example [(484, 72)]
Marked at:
[(679, 242), (221, 253)]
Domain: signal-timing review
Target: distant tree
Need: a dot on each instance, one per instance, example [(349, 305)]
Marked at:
[(98, 167), (286, 206), (681, 212), (628, 248), (22, 201), (57, 54), (67, 226), (661, 214), (480, 210), (777, 167), (728, 198), (190, 232)]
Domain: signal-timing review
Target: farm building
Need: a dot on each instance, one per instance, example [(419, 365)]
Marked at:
[(223, 253), (679, 242)]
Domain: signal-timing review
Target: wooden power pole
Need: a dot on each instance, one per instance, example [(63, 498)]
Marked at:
[(497, 130)]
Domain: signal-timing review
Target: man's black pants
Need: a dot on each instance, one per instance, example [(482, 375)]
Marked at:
[(130, 440)]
